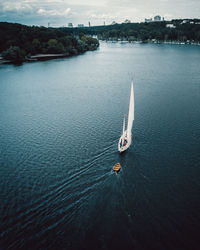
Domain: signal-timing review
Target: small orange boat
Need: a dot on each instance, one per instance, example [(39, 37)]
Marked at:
[(117, 167)]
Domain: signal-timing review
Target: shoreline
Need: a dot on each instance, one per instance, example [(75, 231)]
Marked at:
[(35, 58), (40, 57), (45, 57), (151, 42)]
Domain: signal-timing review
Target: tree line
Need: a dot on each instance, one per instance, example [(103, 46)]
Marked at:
[(19, 42), (188, 31)]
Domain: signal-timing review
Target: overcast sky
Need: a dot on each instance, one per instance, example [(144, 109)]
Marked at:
[(61, 12)]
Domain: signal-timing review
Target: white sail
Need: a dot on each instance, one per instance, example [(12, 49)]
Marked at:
[(130, 112)]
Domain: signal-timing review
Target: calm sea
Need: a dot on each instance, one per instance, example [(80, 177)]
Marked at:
[(60, 122)]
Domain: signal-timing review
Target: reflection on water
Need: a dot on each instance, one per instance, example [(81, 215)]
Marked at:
[(60, 122)]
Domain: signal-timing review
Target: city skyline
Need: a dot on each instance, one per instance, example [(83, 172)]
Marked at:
[(61, 12)]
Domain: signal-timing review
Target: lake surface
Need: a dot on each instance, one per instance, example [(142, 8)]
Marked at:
[(60, 122)]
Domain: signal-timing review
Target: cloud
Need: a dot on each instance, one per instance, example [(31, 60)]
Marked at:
[(60, 12), (44, 12), (51, 7), (15, 6), (89, 3), (100, 15), (41, 11)]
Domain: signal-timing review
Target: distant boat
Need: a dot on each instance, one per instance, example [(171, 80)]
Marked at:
[(126, 137), (117, 167)]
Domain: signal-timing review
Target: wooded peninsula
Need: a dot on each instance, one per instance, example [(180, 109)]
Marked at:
[(20, 43)]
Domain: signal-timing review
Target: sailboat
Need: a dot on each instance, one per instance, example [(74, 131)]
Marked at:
[(126, 137)]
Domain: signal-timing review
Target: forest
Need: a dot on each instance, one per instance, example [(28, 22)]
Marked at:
[(19, 42)]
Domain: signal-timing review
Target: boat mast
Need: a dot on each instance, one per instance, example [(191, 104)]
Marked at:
[(123, 125)]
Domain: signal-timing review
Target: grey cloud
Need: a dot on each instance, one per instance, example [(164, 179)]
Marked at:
[(60, 12)]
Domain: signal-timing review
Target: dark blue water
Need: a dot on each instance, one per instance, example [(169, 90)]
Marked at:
[(60, 122)]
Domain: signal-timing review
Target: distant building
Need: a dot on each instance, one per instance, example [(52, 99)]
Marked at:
[(80, 25), (157, 19), (70, 25), (127, 21), (148, 20), (89, 24), (104, 23), (170, 25)]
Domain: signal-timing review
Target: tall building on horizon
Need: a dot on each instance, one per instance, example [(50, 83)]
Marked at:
[(157, 18)]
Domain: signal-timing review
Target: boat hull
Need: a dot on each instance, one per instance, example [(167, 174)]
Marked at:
[(121, 149), (117, 167)]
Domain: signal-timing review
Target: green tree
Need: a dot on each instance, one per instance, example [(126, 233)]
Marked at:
[(14, 54), (55, 47), (37, 45)]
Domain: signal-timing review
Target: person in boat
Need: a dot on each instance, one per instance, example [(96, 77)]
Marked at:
[(121, 143), (125, 142)]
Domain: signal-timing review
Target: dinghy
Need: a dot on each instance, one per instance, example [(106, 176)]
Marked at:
[(117, 167)]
